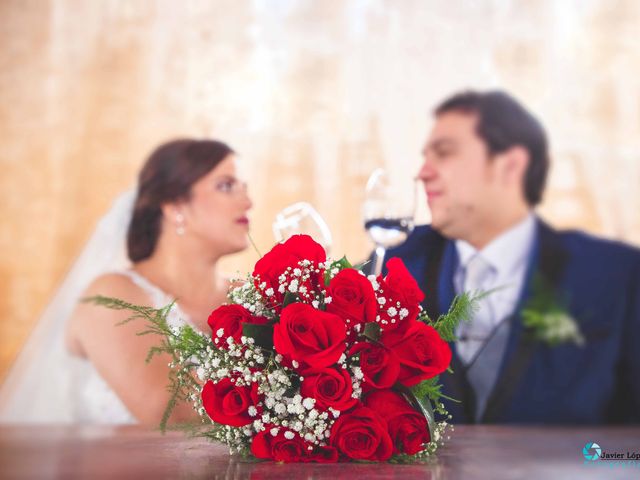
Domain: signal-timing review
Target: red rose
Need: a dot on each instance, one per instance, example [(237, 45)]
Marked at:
[(352, 298), (379, 365), (408, 428), (288, 254), (230, 318), (294, 449), (401, 291), (362, 435), (421, 351), (227, 403), (308, 335), (278, 447), (325, 454), (330, 387)]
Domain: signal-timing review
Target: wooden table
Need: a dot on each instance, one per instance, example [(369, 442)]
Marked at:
[(473, 452)]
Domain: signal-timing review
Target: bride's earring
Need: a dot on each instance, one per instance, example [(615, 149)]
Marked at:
[(180, 224)]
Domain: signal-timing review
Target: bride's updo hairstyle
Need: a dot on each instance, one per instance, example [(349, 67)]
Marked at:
[(167, 176)]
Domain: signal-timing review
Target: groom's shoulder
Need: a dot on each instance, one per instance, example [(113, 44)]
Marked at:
[(599, 251)]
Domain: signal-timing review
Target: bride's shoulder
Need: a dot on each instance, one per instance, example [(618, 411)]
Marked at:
[(118, 285), (90, 320)]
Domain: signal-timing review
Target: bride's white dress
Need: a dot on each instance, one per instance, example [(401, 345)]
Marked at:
[(93, 400), (46, 383), (69, 389)]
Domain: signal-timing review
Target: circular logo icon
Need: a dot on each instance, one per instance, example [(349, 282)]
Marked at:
[(591, 451)]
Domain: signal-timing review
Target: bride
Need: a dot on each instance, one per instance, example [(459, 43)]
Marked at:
[(80, 366)]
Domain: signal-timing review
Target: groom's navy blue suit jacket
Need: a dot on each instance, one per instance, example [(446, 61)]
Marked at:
[(598, 282)]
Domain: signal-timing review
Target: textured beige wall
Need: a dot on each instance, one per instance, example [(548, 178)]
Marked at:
[(313, 94)]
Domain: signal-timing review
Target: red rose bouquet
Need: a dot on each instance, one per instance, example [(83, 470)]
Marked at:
[(312, 361)]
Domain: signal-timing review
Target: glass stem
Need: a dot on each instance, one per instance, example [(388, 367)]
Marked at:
[(378, 260)]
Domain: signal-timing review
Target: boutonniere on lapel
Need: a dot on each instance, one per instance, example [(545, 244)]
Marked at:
[(547, 319)]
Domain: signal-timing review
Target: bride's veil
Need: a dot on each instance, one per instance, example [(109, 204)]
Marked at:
[(38, 386)]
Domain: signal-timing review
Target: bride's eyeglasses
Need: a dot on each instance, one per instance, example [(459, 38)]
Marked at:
[(231, 185)]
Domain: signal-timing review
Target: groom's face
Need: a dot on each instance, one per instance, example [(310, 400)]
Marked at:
[(459, 176)]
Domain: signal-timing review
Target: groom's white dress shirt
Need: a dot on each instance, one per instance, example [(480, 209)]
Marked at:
[(503, 267)]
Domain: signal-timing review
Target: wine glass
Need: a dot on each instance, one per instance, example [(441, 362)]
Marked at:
[(388, 211), (302, 218)]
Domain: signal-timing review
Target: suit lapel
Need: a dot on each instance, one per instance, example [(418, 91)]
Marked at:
[(446, 289), (548, 261), (440, 292)]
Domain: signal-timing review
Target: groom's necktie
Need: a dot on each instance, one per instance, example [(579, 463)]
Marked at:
[(481, 345), (473, 333)]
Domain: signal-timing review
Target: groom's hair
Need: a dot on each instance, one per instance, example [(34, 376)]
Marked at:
[(167, 176), (504, 123)]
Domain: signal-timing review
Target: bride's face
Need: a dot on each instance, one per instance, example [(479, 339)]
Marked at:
[(216, 212)]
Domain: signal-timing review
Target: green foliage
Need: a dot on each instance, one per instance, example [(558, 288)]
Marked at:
[(289, 298), (461, 310), (360, 266), (179, 344), (340, 265), (420, 402), (430, 389), (547, 320), (262, 334), (253, 244), (218, 433), (372, 331), (404, 459), (156, 318), (425, 398)]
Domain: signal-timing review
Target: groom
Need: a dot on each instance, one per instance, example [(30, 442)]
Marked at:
[(484, 171)]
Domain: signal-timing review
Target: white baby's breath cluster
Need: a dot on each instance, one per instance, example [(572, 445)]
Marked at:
[(238, 361), (297, 280), (357, 378), (331, 268), (285, 408), (395, 312), (250, 298), (281, 408), (559, 327), (241, 363), (440, 435)]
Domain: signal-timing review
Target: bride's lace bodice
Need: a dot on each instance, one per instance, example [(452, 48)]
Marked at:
[(95, 401)]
